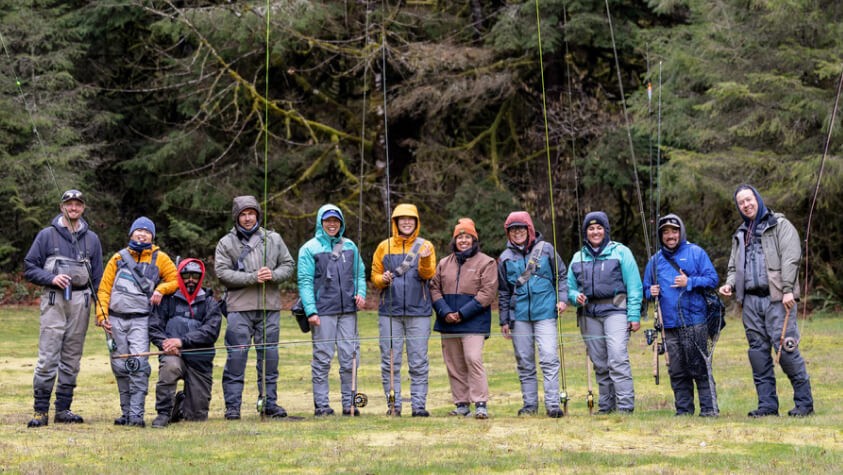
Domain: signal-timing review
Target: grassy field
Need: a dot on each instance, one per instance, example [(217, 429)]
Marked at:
[(650, 441)]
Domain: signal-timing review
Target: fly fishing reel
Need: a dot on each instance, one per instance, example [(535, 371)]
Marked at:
[(650, 335), (360, 400), (132, 365), (110, 344), (790, 344), (563, 399), (260, 405)]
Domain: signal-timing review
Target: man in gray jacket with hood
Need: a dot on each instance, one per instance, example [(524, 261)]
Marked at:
[(764, 277), (251, 262)]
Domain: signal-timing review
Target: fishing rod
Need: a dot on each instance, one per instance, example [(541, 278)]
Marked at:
[(109, 341), (563, 393), (390, 401)]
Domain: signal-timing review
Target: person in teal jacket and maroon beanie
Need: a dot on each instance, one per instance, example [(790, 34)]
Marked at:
[(462, 290)]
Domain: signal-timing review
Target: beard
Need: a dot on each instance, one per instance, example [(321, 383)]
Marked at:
[(191, 287)]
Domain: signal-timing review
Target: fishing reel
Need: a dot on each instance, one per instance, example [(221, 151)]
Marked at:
[(360, 400), (660, 348), (650, 335), (563, 400), (590, 402), (260, 405), (132, 365), (790, 344), (110, 344)]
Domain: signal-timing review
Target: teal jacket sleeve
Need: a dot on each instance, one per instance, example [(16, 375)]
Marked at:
[(634, 289), (360, 271), (305, 271), (573, 288)]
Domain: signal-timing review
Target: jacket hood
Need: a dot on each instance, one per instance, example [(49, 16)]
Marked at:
[(521, 218), (405, 209), (672, 218), (762, 209), (245, 202), (60, 221), (320, 233), (192, 262), (596, 217)]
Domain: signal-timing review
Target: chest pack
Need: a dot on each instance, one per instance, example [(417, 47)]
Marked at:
[(532, 263), (77, 268), (410, 258), (134, 284), (298, 308)]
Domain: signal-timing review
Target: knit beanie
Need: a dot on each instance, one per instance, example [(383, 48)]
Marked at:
[(466, 226), (143, 223)]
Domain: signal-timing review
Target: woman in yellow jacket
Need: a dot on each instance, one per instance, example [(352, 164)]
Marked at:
[(135, 279), (402, 266)]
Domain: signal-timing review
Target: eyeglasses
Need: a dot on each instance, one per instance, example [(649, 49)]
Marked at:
[(191, 276)]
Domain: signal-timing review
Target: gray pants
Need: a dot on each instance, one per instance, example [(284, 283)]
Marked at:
[(197, 388), (244, 328), (526, 338), (763, 320), (688, 350), (415, 333), (334, 332), (131, 335), (606, 339), (60, 343)]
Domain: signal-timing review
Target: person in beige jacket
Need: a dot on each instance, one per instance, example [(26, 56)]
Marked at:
[(251, 262)]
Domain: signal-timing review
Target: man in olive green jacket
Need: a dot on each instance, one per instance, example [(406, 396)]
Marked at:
[(251, 262), (763, 276)]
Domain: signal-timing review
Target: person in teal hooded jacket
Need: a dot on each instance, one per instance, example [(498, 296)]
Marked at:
[(605, 285), (332, 287)]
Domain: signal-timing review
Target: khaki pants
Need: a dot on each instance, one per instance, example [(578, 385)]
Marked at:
[(463, 356)]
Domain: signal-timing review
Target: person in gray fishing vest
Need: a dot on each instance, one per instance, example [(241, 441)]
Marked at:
[(532, 293), (332, 288), (764, 277), (605, 285), (402, 266), (251, 262), (135, 279), (66, 260), (185, 326)]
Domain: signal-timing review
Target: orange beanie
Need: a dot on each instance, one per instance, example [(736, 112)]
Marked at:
[(466, 226)]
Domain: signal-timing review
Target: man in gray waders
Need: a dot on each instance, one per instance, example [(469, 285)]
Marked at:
[(763, 276), (66, 259)]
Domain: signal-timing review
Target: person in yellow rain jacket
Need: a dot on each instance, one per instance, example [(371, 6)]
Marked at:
[(401, 268), (135, 279)]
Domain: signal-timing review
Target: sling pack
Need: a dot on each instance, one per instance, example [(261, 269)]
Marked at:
[(133, 285), (532, 263), (715, 310), (410, 258), (240, 264), (298, 308)]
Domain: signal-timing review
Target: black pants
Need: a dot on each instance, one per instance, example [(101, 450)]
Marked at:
[(197, 387), (687, 349)]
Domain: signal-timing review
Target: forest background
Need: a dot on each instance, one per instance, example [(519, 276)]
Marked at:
[(168, 109)]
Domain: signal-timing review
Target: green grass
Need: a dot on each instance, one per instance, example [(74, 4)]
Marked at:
[(650, 441)]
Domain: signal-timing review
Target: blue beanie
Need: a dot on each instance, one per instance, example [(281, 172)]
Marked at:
[(143, 223)]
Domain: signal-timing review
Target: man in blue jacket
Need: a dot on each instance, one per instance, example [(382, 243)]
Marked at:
[(676, 275), (66, 260)]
